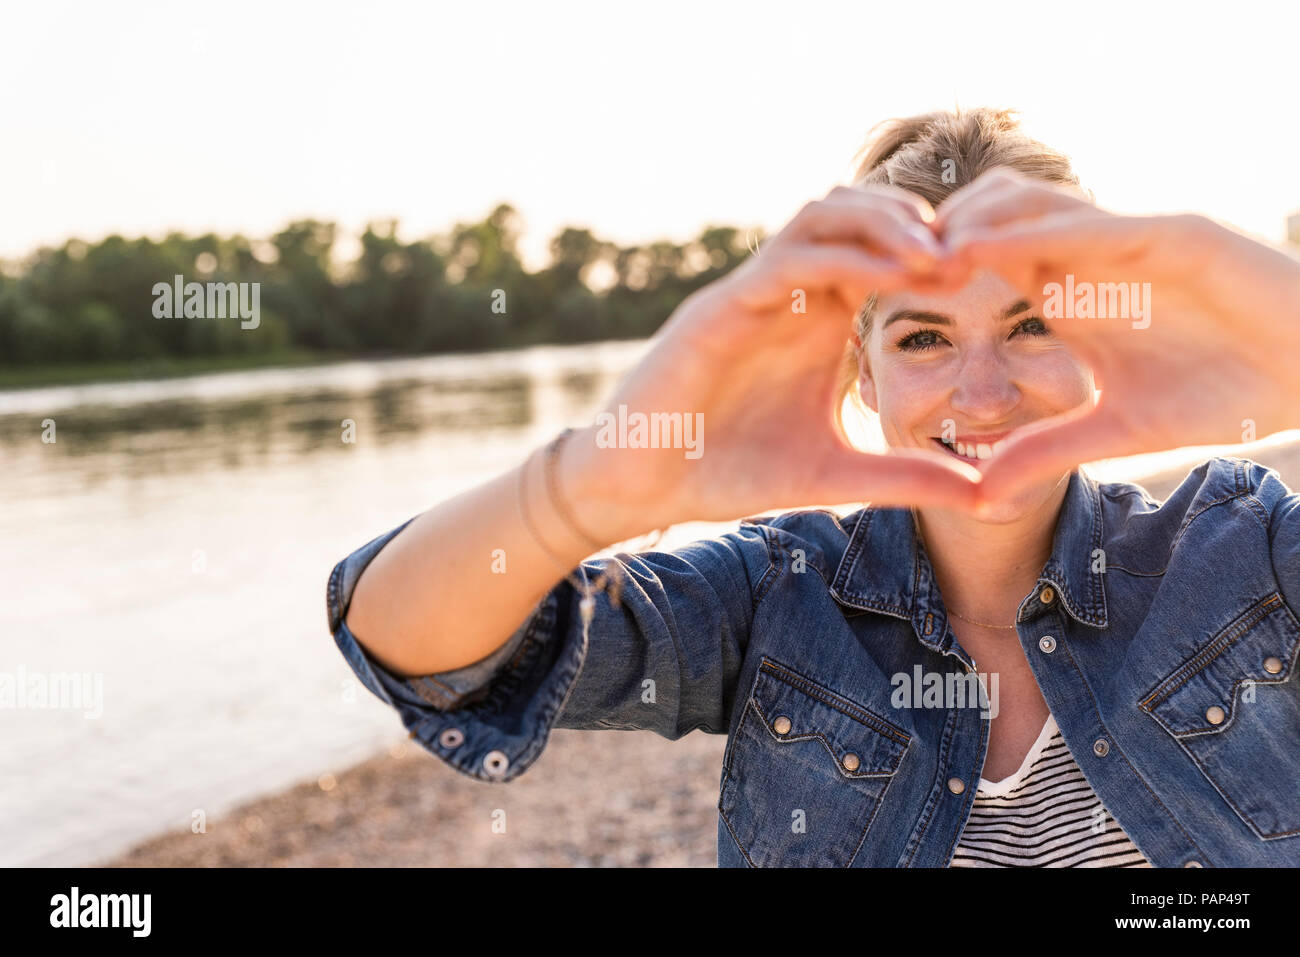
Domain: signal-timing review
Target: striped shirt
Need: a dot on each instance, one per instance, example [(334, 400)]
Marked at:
[(1044, 815)]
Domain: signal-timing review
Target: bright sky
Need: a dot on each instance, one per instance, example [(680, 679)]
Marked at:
[(640, 121)]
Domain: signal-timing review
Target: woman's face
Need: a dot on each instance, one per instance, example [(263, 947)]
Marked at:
[(971, 366)]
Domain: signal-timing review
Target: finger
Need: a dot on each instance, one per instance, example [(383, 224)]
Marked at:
[(880, 224), (1050, 447), (901, 477), (912, 205), (998, 180), (846, 270), (1027, 200), (1037, 255), (1091, 239), (911, 215)]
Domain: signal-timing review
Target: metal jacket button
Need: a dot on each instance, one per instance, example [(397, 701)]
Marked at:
[(782, 725), (1047, 643), (1101, 747), (956, 785), (451, 738), (851, 762), (1273, 665), (1046, 595), (495, 763), (1214, 714)]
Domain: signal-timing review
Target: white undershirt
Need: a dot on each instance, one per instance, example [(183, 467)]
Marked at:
[(1044, 815)]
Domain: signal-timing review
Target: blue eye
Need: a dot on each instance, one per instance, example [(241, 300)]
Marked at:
[(911, 343), (927, 339), (1041, 329)]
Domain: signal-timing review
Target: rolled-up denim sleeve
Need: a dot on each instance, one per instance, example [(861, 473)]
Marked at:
[(663, 656), (1282, 506)]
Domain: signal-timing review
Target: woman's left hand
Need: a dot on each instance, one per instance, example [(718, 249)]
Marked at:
[(1205, 353)]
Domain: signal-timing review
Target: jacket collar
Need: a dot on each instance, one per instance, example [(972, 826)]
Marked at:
[(885, 567)]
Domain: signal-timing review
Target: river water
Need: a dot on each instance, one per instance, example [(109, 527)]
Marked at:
[(174, 541)]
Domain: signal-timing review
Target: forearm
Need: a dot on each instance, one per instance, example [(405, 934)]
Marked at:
[(1263, 286), (458, 581)]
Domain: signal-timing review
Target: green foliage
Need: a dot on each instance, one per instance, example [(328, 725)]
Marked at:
[(93, 303)]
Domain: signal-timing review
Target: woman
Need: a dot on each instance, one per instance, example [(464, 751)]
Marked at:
[(998, 661)]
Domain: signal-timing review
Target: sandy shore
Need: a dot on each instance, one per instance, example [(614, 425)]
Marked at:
[(609, 798)]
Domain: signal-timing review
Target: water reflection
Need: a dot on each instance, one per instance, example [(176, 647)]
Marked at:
[(180, 434)]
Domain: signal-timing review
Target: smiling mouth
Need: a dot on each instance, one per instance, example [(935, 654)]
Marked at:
[(970, 451)]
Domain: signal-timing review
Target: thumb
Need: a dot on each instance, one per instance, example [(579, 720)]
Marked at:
[(900, 477), (1049, 447)]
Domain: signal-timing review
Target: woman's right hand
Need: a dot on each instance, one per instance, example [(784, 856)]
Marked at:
[(757, 354)]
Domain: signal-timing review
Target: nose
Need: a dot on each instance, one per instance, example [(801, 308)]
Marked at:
[(983, 391)]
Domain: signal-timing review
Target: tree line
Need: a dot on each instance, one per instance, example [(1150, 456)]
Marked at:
[(464, 290)]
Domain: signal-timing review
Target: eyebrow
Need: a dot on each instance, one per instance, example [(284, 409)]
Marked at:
[(939, 319)]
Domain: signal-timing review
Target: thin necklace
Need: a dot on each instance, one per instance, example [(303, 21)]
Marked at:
[(974, 622), (916, 519)]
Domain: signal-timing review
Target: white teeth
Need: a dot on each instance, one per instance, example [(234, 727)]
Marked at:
[(976, 451)]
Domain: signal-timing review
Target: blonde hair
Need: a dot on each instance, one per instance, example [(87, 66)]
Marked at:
[(934, 155)]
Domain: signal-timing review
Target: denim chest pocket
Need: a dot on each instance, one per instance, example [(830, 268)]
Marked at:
[(1234, 707), (805, 772)]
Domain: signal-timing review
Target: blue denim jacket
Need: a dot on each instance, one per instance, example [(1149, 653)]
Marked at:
[(1164, 637)]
